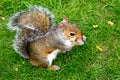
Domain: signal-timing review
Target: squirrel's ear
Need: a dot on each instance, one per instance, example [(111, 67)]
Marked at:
[(61, 27), (65, 19)]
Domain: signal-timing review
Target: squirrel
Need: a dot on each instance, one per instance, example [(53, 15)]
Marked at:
[(39, 39)]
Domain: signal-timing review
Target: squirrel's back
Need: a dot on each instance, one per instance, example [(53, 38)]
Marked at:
[(35, 17)]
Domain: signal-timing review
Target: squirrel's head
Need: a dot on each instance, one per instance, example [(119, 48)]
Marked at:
[(71, 32)]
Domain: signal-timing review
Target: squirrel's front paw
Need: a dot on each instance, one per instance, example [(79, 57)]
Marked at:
[(54, 67)]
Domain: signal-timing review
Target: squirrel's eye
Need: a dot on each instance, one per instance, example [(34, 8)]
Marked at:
[(72, 34)]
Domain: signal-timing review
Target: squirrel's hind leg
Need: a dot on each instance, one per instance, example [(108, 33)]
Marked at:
[(46, 60), (38, 63), (44, 64)]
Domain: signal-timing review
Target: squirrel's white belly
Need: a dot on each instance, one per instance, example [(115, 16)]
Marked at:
[(68, 44)]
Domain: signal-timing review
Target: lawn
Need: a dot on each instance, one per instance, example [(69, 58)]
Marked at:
[(97, 59)]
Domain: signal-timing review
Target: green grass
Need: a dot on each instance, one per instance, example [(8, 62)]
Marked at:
[(81, 63)]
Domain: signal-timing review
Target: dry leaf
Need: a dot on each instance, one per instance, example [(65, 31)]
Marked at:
[(99, 48), (110, 23), (2, 18), (95, 26)]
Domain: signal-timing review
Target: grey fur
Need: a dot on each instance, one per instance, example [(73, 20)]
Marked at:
[(13, 23), (44, 11), (21, 42), (20, 46), (60, 40)]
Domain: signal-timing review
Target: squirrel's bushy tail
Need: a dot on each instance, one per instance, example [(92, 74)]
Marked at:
[(23, 37), (13, 23)]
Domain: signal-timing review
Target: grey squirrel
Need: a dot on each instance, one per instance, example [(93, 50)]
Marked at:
[(39, 39)]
